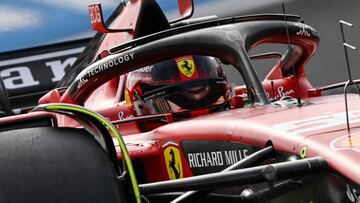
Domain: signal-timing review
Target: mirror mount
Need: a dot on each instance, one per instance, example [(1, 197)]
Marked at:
[(186, 9)]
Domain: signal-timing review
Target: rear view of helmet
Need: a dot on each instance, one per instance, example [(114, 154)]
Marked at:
[(186, 83)]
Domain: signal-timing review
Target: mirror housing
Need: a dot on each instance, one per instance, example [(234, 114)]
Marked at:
[(186, 10)]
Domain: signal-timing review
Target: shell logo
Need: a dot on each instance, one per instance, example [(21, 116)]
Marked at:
[(349, 142)]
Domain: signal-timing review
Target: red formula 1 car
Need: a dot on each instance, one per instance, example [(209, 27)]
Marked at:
[(190, 134)]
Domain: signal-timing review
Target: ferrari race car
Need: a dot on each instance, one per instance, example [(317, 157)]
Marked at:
[(148, 114)]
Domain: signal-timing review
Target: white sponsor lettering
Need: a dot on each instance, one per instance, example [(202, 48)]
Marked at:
[(233, 156), (282, 93), (303, 30), (81, 82), (317, 122), (122, 116), (22, 76), (110, 64), (58, 68), (216, 158), (41, 56), (18, 77), (140, 77), (146, 69), (205, 159)]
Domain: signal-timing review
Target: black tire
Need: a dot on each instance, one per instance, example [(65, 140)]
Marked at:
[(55, 165), (4, 100)]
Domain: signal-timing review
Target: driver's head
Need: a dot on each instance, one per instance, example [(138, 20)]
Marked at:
[(180, 84)]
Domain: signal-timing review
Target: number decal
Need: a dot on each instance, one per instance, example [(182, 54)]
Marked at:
[(95, 13)]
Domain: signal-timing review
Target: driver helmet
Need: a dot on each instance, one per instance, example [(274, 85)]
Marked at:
[(187, 83)]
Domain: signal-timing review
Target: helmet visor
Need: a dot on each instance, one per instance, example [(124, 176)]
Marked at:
[(201, 93)]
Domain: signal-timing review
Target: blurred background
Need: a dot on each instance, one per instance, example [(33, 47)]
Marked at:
[(29, 23), (328, 65)]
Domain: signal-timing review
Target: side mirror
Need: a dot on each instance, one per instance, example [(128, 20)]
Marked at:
[(97, 20), (186, 10)]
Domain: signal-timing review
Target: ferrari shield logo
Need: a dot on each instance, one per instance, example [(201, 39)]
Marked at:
[(173, 162), (186, 66)]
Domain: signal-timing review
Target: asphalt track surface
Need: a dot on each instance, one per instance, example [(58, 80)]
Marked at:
[(328, 65)]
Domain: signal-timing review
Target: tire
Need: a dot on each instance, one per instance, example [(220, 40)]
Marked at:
[(55, 165), (4, 100)]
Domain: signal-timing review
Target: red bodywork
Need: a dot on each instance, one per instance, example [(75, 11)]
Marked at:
[(318, 128)]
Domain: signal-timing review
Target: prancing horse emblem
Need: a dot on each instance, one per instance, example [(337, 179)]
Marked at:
[(186, 66), (173, 162)]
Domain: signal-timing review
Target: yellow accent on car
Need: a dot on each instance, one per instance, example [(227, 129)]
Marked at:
[(173, 162), (186, 66), (114, 132), (303, 152)]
